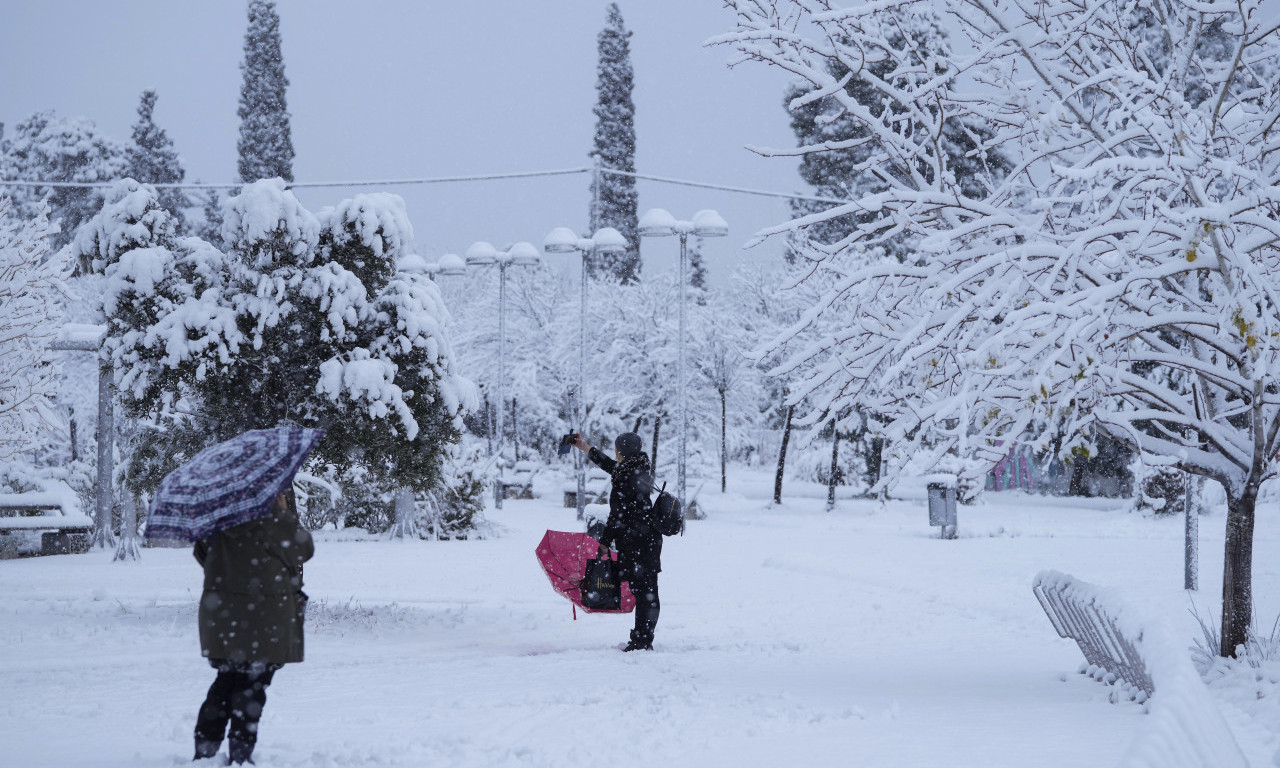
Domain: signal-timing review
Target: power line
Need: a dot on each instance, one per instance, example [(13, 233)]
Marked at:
[(302, 184), (436, 180), (743, 190)]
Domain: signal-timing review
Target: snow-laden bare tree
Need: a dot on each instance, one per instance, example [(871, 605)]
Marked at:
[(1122, 277), (32, 291)]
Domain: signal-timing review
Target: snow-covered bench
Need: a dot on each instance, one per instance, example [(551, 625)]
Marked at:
[(596, 487), (1142, 658), (518, 484), (55, 515)]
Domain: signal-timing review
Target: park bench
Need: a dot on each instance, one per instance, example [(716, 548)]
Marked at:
[(1148, 662), (1077, 613), (63, 529), (519, 483), (596, 488)]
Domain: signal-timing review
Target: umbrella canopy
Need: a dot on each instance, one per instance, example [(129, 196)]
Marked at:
[(229, 483), (564, 557)]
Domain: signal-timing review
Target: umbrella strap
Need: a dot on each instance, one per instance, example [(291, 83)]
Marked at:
[(575, 611)]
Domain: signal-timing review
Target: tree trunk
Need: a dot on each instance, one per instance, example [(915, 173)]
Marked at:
[(875, 461), (406, 524), (657, 427), (515, 433), (1237, 570), (724, 439), (835, 468), (127, 548), (636, 428), (782, 457)]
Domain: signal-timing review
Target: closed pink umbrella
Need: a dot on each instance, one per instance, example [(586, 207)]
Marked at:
[(564, 557)]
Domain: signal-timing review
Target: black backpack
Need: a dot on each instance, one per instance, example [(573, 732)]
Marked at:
[(667, 513)]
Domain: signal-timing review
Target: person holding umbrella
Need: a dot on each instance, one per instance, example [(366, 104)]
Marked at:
[(235, 501), (250, 617), (631, 529)]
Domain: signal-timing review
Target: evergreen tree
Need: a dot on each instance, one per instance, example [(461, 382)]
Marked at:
[(297, 319), (265, 146), (46, 147), (697, 266), (613, 197), (153, 160)]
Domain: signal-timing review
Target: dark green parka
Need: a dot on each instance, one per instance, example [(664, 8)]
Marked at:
[(252, 606)]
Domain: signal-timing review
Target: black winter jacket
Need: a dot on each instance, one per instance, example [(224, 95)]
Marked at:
[(631, 528)]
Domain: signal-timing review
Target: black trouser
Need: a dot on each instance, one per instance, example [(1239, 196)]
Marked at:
[(644, 585), (237, 697)]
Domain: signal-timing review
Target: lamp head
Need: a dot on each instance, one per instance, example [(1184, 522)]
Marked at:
[(452, 265), (481, 253), (560, 240), (657, 222), (609, 240), (524, 254), (708, 223)]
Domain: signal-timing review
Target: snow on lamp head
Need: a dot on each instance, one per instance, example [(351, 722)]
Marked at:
[(708, 223), (560, 240), (481, 253), (657, 222), (451, 264), (524, 254), (609, 240)]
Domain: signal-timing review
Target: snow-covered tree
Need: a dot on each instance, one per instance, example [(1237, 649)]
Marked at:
[(302, 320), (1120, 279), (46, 147), (153, 160), (836, 151), (32, 290), (266, 144), (613, 196)]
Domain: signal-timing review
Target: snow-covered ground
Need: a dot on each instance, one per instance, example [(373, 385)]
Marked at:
[(789, 637)]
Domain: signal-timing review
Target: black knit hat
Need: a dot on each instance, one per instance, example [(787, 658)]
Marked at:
[(628, 444)]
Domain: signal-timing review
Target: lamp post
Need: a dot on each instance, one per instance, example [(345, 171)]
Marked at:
[(658, 223), (563, 240), (520, 254)]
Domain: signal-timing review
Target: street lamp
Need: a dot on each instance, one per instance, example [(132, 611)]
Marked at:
[(563, 240), (483, 254), (658, 223)]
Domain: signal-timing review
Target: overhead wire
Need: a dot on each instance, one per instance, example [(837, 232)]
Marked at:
[(438, 180)]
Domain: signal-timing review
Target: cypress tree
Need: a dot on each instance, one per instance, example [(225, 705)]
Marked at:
[(613, 197), (153, 160), (265, 145)]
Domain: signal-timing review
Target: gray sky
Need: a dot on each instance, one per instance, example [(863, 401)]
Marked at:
[(397, 89)]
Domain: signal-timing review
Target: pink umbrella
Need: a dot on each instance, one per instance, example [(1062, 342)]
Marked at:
[(564, 557)]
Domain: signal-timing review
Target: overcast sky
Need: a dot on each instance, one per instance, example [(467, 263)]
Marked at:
[(391, 89)]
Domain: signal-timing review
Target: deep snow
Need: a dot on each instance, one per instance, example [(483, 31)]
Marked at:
[(789, 636)]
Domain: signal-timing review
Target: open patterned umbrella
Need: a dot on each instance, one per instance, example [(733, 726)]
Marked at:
[(230, 483)]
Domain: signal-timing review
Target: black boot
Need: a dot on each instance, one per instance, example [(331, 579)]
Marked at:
[(205, 749), (241, 752), (640, 641)]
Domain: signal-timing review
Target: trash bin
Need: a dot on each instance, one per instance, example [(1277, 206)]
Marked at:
[(942, 508)]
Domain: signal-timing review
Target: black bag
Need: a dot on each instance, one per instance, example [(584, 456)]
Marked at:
[(602, 585), (667, 513)]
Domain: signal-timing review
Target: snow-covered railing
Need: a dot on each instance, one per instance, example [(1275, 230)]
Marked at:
[(1185, 728)]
